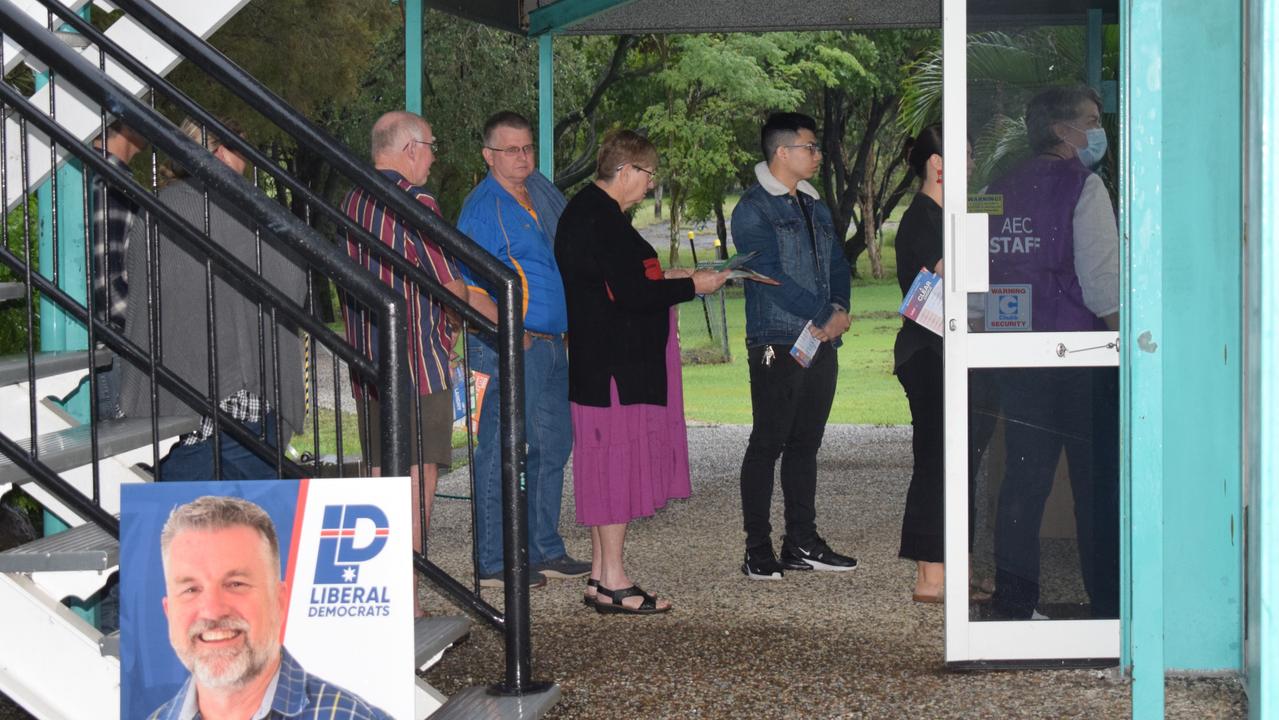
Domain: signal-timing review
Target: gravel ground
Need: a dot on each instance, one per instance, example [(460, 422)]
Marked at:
[(812, 646)]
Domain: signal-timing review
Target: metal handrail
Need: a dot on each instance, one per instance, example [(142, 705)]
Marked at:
[(515, 620), (282, 224), (259, 159)]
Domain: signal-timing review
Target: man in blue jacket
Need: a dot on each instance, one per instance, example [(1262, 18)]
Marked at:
[(513, 214), (782, 218)]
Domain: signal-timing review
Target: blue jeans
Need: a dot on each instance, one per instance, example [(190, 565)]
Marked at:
[(195, 462), (549, 439)]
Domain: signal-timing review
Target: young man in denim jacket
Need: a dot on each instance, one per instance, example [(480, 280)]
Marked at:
[(782, 218)]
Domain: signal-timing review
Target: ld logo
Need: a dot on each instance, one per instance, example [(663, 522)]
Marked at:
[(339, 556)]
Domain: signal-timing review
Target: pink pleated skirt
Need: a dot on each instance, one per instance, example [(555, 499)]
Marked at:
[(629, 460)]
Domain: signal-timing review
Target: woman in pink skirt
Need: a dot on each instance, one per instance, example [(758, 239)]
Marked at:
[(630, 451)]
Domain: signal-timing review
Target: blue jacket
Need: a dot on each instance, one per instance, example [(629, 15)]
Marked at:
[(494, 219), (812, 270)]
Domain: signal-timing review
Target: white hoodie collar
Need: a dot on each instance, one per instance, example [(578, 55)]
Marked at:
[(775, 186)]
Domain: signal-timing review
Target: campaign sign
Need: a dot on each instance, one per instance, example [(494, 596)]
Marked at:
[(343, 602)]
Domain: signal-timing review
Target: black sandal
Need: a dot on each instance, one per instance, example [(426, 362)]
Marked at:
[(648, 607), (587, 599)]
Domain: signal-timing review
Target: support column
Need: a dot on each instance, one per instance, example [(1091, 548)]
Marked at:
[(546, 106), (1142, 381), (413, 56)]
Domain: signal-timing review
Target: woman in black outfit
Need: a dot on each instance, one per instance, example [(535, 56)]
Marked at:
[(917, 362)]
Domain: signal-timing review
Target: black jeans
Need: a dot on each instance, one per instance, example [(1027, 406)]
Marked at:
[(1075, 409), (789, 405), (923, 523)]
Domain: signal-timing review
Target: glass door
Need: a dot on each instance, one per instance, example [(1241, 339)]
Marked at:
[(1031, 342)]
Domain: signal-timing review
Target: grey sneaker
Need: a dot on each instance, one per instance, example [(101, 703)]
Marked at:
[(563, 568), (496, 580)]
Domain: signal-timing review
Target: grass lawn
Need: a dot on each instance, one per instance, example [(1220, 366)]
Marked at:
[(867, 391)]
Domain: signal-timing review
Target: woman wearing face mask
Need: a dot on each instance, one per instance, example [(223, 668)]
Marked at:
[(1055, 250)]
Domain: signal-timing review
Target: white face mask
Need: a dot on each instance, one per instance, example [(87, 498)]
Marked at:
[(1095, 150)]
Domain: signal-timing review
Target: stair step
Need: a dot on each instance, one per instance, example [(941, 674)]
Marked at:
[(85, 547), (477, 702), (110, 644), (70, 448), (12, 291), (13, 368), (433, 635)]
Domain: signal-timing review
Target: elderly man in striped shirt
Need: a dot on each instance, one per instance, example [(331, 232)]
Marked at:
[(403, 149)]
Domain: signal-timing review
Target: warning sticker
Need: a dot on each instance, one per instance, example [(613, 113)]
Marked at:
[(1008, 308), (989, 204)]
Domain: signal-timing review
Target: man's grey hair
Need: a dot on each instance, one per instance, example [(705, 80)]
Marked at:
[(216, 512), (393, 131)]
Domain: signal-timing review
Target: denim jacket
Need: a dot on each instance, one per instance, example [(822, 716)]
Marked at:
[(812, 270)]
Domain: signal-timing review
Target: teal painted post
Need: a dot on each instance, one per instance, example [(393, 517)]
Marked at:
[(413, 56), (546, 105), (1262, 416), (1142, 362), (1202, 263)]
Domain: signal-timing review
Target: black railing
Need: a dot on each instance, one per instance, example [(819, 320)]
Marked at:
[(388, 378)]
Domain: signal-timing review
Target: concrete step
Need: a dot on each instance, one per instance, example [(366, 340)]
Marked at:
[(71, 448), (477, 703), (433, 635), (87, 547)]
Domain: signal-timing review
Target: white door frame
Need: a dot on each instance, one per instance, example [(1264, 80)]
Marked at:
[(967, 263)]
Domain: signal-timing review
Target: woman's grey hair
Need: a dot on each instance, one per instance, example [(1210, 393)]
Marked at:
[(1054, 105), (216, 512)]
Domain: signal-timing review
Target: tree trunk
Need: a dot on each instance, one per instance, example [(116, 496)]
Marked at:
[(677, 202), (657, 202), (871, 237), (721, 228)]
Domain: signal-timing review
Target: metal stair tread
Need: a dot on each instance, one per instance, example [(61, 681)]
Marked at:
[(13, 368), (431, 635), (478, 702), (109, 644), (12, 291), (84, 547), (71, 447)]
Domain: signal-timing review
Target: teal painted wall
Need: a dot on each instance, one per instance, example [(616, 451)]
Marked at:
[(1262, 417), (1202, 345)]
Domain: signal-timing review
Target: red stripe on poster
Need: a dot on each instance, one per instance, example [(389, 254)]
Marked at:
[(298, 516)]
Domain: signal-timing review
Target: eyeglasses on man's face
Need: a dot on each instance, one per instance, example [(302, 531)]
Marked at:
[(433, 144), (812, 148), (515, 150)]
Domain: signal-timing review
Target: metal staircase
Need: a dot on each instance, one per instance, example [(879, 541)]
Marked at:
[(75, 469)]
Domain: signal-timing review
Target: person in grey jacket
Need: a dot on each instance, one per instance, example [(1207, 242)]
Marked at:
[(241, 388)]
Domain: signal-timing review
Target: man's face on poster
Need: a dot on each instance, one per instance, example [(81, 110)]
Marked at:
[(225, 602)]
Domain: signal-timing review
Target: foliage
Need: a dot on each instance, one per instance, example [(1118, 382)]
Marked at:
[(13, 314)]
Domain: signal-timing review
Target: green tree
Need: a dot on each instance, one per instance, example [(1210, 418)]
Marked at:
[(714, 88)]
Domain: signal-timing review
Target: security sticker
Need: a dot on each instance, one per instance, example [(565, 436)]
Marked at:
[(1008, 308)]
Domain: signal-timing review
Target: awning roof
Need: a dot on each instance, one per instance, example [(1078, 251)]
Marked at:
[(617, 17)]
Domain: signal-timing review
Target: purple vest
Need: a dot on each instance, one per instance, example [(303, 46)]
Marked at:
[(1032, 243)]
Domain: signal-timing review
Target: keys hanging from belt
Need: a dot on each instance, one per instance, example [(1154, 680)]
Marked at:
[(768, 356)]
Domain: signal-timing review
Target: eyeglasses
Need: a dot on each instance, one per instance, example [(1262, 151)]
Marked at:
[(433, 144), (514, 150), (812, 148), (652, 174)]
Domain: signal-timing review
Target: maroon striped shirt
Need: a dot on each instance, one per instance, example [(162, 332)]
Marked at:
[(430, 338)]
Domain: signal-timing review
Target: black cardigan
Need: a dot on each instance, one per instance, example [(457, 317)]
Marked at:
[(618, 317)]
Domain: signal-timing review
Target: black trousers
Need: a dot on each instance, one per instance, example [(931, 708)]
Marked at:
[(923, 523), (1047, 411), (789, 407)]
